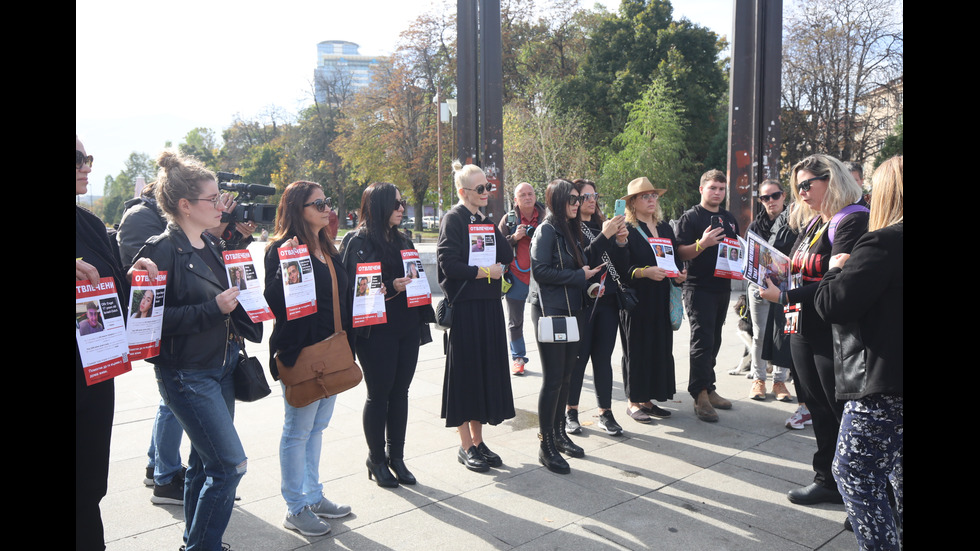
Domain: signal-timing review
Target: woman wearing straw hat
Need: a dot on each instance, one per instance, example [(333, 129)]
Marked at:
[(648, 361)]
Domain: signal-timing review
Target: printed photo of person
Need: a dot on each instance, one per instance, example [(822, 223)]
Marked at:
[(658, 250), (362, 287), (237, 278), (477, 244), (733, 253), (411, 270), (293, 273), (91, 323), (142, 305)]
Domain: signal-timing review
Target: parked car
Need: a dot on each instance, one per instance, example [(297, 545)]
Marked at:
[(430, 222)]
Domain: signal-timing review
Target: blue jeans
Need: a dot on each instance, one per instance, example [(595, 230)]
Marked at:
[(164, 452), (299, 452), (203, 400)]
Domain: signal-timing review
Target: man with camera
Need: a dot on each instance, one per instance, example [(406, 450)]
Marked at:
[(700, 229), (518, 228)]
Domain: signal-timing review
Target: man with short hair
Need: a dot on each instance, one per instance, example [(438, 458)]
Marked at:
[(518, 227), (91, 322), (706, 296)]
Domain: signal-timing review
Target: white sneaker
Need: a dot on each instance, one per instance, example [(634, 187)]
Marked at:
[(799, 419), (306, 523)]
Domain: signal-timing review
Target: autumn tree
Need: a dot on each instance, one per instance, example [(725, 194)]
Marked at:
[(838, 54)]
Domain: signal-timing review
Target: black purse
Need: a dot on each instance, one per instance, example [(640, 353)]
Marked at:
[(444, 310), (250, 381)]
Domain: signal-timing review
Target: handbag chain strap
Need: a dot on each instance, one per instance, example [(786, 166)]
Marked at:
[(605, 257)]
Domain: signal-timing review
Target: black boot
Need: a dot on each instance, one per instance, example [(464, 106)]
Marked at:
[(549, 457), (564, 443), (405, 476), (379, 471)]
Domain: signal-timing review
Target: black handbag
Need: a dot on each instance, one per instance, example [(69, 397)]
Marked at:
[(444, 310), (250, 381)]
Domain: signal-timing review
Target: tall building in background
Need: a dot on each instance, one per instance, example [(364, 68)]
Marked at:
[(341, 70)]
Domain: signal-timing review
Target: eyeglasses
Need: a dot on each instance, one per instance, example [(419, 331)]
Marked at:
[(589, 197), (479, 189), (775, 196), (82, 159), (574, 199), (648, 196), (805, 184), (401, 203), (320, 204), (212, 200)]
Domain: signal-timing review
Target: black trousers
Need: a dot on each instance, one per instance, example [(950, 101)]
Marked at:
[(813, 357), (93, 430), (557, 364), (597, 342), (706, 310), (389, 362)]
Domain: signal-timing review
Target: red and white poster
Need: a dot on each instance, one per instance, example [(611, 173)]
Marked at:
[(145, 315), (100, 331), (369, 302), (730, 259), (664, 251), (417, 291), (298, 286), (483, 248), (241, 274)]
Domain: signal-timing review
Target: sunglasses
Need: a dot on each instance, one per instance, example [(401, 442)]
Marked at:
[(320, 204), (774, 196), (82, 159), (575, 199), (480, 189), (805, 184), (401, 203), (589, 197)]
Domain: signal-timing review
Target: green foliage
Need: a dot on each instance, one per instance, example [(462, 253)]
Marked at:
[(652, 145), (893, 144), (201, 143), (120, 189)]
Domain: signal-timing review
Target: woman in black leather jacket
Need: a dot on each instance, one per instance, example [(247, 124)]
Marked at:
[(387, 352), (197, 353), (560, 276)]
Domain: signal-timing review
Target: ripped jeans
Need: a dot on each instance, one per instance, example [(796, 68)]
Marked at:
[(203, 400)]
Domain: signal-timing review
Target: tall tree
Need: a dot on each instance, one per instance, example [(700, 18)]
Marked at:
[(203, 144), (837, 53), (120, 189)]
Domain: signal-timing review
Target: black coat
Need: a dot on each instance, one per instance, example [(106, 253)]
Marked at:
[(870, 291), (551, 283)]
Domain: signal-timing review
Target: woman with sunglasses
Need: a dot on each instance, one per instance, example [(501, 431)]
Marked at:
[(830, 217), (646, 332), (388, 352), (560, 276), (772, 200), (601, 316), (94, 259), (301, 219), (199, 348), (476, 387)]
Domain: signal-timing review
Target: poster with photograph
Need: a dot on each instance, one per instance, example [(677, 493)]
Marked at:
[(145, 325), (298, 285), (241, 274), (417, 291), (100, 330), (730, 257), (763, 261), (369, 302), (483, 249), (664, 251)]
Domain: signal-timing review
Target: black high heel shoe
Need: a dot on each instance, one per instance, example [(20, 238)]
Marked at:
[(380, 472), (401, 471)]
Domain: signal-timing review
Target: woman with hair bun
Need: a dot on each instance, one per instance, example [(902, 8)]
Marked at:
[(476, 388), (198, 349)]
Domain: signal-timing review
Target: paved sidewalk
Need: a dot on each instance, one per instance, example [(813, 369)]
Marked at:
[(673, 484)]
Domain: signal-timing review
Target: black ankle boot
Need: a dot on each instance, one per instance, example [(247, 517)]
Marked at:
[(549, 457), (564, 443), (379, 471), (405, 476)]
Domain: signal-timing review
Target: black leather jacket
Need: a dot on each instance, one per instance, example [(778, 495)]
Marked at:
[(549, 282), (195, 332)]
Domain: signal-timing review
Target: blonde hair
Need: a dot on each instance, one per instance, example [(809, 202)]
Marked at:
[(179, 178), (842, 188), (887, 196), (658, 213), (462, 173)]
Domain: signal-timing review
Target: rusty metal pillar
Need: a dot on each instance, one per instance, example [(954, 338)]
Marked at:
[(479, 85), (753, 113)]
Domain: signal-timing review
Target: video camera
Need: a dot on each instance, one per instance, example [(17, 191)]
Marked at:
[(260, 213)]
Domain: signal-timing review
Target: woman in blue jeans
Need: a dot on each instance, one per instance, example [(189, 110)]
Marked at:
[(197, 353), (302, 219)]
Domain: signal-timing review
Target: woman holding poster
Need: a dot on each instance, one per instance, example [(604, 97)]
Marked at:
[(301, 219), (388, 352), (198, 354), (648, 338), (476, 387)]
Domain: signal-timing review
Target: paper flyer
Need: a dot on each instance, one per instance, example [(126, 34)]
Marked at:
[(483, 249), (762, 261), (664, 251), (100, 331), (241, 274), (417, 291), (299, 287), (145, 325), (729, 262), (369, 303)]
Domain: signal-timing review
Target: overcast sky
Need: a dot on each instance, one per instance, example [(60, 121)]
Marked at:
[(148, 72)]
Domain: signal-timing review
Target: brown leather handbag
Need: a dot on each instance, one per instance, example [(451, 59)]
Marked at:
[(322, 369)]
